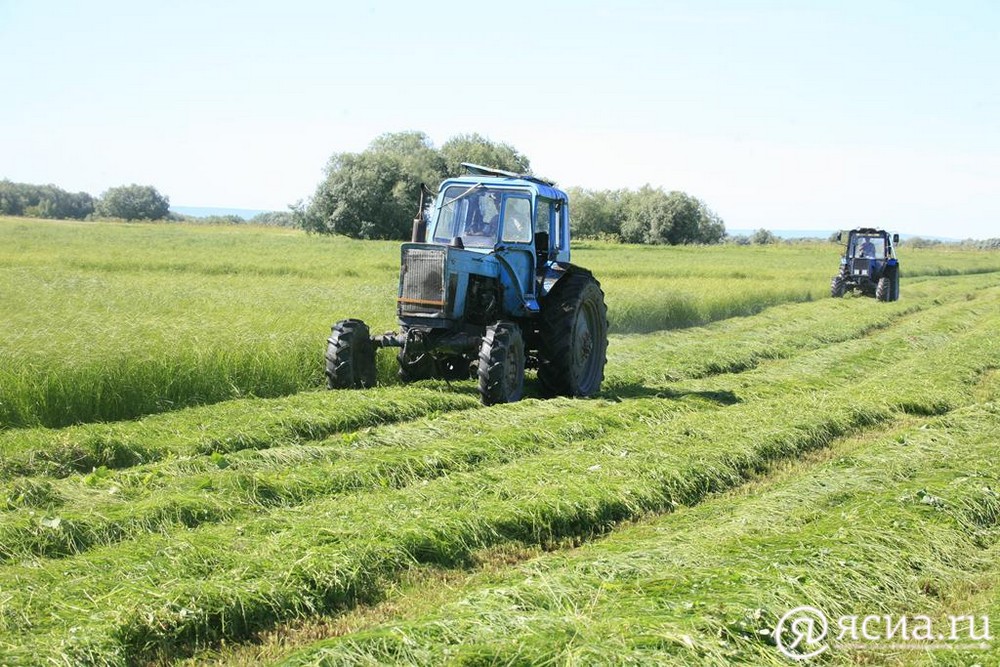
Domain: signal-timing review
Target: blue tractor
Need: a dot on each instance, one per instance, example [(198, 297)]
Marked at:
[(869, 265), (486, 290)]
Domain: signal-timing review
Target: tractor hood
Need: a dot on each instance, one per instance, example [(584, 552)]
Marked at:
[(430, 283)]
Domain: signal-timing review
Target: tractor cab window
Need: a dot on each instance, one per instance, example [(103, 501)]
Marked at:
[(517, 220), (869, 247), (543, 220), (471, 214)]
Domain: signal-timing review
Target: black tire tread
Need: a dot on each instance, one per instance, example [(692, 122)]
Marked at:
[(555, 335), (350, 356), (837, 287), (500, 340)]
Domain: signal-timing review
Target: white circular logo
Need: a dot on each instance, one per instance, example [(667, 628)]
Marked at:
[(800, 633)]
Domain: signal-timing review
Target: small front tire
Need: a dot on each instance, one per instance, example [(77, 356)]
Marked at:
[(501, 364), (350, 356), (837, 286)]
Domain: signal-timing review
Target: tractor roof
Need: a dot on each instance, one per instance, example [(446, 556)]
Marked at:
[(488, 176), (868, 230)]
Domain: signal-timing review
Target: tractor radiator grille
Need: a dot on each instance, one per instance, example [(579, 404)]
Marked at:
[(862, 267), (421, 282)]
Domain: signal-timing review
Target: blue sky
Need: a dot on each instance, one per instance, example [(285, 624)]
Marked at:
[(784, 115)]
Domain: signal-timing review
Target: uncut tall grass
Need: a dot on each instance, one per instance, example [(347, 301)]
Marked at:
[(104, 321)]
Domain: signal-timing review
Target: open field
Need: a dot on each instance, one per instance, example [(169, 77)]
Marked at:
[(757, 446), (104, 321)]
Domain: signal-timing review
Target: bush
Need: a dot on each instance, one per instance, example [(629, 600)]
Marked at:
[(133, 202)]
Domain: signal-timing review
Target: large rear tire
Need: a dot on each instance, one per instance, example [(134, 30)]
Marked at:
[(883, 290), (501, 364), (573, 337), (350, 356)]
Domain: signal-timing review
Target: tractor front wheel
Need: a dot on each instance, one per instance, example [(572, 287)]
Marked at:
[(501, 364), (837, 286), (573, 337), (350, 356)]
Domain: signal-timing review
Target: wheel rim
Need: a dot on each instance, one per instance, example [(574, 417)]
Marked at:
[(584, 345), (513, 373)]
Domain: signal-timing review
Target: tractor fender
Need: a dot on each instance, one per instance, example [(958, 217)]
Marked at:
[(554, 272)]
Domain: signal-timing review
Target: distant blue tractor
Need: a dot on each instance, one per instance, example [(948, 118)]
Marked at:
[(869, 265), (486, 289)]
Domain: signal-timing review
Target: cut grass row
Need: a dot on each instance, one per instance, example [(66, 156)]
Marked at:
[(184, 588), (103, 322), (104, 507), (59, 518), (636, 364), (896, 523), (218, 429)]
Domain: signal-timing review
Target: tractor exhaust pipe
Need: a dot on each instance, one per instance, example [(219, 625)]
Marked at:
[(420, 222)]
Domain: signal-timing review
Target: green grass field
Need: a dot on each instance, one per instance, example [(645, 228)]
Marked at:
[(176, 486)]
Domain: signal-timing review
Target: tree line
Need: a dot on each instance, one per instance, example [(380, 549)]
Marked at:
[(374, 194), (126, 202)]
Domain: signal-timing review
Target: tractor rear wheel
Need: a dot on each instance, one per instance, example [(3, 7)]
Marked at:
[(501, 364), (837, 287), (883, 290), (350, 356), (573, 337)]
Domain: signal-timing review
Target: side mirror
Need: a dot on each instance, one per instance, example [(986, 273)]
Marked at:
[(840, 237), (895, 239)]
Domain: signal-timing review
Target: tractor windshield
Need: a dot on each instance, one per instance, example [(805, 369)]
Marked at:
[(869, 247), (472, 214)]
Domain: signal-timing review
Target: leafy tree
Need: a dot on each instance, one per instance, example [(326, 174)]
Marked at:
[(676, 219), (43, 201), (374, 194), (651, 215), (596, 213), (368, 195), (711, 228), (415, 154), (479, 150), (133, 202), (763, 237)]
